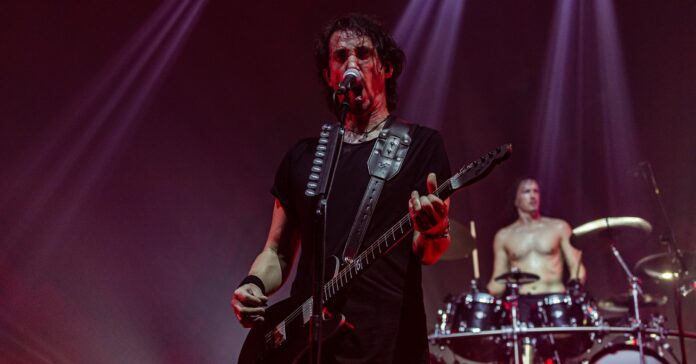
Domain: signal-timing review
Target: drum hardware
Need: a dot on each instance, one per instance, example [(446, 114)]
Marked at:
[(619, 350), (602, 329), (566, 310), (679, 267), (607, 230), (663, 268), (516, 277), (642, 341), (624, 349), (472, 312), (586, 235), (624, 302), (513, 280)]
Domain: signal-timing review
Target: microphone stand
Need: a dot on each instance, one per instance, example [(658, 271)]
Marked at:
[(672, 249), (323, 189)]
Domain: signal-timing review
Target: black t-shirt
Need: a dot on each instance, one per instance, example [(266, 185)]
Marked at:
[(386, 302)]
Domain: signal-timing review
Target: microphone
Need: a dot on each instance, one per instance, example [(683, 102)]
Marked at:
[(351, 79)]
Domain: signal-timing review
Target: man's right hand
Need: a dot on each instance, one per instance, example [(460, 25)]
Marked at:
[(249, 304)]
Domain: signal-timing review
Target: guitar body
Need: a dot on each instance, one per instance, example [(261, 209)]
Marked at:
[(292, 347), (283, 337)]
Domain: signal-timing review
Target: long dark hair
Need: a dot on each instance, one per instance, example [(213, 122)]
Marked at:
[(362, 25)]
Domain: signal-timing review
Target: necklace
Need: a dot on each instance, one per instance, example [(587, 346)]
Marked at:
[(361, 136)]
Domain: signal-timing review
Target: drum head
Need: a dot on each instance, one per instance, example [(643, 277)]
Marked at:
[(626, 354)]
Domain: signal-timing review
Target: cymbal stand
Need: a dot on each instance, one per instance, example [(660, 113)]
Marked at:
[(648, 175), (513, 299), (657, 323), (635, 291)]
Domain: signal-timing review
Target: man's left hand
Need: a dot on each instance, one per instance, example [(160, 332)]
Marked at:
[(429, 212)]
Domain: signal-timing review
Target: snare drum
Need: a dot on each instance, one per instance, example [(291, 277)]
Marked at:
[(476, 312), (563, 310)]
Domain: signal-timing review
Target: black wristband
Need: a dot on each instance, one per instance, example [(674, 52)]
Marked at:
[(253, 280)]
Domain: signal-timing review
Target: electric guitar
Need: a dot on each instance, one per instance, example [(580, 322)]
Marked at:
[(284, 335)]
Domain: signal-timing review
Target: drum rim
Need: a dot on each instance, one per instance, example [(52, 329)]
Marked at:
[(480, 297), (556, 298)]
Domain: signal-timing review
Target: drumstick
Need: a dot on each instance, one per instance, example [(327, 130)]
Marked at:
[(474, 253), (577, 270)]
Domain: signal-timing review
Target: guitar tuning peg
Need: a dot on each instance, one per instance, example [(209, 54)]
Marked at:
[(313, 177), (316, 169), (326, 127), (318, 161), (310, 192), (321, 147), (312, 185), (323, 141), (319, 154), (324, 134)]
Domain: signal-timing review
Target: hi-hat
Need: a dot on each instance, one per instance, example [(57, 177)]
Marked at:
[(624, 302), (462, 243), (518, 277), (660, 266), (586, 235)]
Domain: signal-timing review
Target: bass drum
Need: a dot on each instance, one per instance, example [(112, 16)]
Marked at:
[(476, 312), (626, 354)]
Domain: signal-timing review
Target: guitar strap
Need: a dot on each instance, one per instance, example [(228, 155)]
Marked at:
[(386, 158)]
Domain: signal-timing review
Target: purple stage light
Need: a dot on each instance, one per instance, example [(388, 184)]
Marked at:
[(585, 79), (428, 32), (98, 123)]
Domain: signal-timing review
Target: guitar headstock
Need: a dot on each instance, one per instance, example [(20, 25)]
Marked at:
[(479, 168)]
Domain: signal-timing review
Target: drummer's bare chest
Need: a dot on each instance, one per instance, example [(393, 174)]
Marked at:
[(523, 242)]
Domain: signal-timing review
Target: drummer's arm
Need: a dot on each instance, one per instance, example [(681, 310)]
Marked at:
[(500, 265), (572, 256)]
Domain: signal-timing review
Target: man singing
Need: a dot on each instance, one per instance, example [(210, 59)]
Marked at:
[(385, 303)]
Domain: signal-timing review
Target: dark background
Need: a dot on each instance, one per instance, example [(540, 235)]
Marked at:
[(127, 248)]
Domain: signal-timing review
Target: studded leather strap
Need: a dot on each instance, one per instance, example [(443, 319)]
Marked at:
[(385, 161)]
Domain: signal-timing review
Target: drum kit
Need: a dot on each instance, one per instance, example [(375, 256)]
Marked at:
[(476, 326)]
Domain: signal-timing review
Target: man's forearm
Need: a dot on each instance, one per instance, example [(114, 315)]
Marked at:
[(269, 267)]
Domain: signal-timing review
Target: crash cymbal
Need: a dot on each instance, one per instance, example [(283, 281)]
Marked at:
[(624, 302), (659, 266), (608, 228), (518, 277), (462, 243)]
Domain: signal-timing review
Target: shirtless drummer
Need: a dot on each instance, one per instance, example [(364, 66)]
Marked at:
[(534, 244)]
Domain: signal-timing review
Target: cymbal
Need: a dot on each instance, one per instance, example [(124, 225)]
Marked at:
[(624, 302), (517, 277), (585, 235), (462, 243), (659, 266)]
